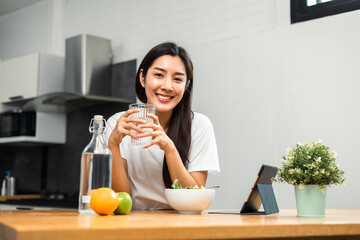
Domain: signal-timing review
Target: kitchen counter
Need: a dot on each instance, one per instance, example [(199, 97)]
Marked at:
[(34, 202), (168, 224)]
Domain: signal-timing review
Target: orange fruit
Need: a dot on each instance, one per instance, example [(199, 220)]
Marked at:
[(104, 201)]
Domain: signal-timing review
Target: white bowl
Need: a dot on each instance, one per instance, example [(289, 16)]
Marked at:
[(189, 200)]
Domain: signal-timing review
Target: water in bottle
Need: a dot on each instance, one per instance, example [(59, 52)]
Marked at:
[(96, 165)]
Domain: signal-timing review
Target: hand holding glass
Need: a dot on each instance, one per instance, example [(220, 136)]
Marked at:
[(144, 110)]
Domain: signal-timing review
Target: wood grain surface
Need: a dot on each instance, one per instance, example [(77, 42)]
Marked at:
[(68, 224), (19, 197)]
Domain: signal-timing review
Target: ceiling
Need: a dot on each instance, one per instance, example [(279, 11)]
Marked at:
[(8, 6)]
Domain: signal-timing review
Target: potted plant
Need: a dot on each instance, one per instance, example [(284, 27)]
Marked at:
[(310, 168)]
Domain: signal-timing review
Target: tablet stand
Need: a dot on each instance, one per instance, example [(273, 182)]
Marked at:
[(268, 200)]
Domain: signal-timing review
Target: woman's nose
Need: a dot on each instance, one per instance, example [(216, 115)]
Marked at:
[(167, 84)]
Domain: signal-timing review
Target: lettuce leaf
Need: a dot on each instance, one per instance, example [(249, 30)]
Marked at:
[(176, 185)]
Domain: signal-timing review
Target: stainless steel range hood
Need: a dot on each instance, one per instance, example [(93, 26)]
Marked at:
[(88, 65), (63, 102), (88, 80)]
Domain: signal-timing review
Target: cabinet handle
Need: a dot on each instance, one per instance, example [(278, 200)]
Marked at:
[(24, 208), (19, 97)]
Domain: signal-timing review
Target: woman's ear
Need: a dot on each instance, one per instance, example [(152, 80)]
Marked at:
[(142, 78)]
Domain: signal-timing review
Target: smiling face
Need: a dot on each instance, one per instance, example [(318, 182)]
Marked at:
[(165, 82)]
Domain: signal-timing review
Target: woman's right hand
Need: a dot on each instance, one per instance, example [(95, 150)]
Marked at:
[(123, 126)]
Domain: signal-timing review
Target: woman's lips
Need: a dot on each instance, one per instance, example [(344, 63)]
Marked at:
[(164, 98)]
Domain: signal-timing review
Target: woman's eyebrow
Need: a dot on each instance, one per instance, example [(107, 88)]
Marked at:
[(163, 70), (160, 69), (180, 73)]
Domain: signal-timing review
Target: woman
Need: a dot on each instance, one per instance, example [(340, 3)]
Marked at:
[(183, 143)]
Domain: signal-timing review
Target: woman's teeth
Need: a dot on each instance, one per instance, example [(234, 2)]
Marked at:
[(163, 97)]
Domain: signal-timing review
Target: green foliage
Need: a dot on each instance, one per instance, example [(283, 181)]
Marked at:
[(310, 164), (176, 185)]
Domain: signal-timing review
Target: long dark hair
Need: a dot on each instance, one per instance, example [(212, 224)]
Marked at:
[(179, 130)]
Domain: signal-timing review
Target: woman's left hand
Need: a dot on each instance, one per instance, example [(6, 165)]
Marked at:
[(159, 137)]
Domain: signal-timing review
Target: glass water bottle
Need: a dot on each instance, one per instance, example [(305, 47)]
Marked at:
[(96, 164)]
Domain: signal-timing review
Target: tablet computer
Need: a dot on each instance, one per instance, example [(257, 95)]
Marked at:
[(260, 193)]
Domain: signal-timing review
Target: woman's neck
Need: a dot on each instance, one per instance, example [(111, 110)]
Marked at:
[(164, 119)]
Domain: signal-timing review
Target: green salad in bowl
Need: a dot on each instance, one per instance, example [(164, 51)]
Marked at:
[(176, 185), (192, 199)]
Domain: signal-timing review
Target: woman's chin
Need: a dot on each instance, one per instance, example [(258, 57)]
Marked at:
[(163, 109)]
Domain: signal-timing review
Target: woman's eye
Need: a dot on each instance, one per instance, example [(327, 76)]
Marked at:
[(178, 79), (158, 75)]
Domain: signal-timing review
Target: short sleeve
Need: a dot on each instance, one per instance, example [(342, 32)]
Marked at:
[(203, 151)]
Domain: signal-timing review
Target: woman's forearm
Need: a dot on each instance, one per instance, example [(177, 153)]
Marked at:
[(178, 171), (120, 180)]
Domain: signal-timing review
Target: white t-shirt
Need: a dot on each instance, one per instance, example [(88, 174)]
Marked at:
[(145, 165)]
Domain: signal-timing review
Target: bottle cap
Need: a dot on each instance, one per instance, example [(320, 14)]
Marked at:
[(98, 118)]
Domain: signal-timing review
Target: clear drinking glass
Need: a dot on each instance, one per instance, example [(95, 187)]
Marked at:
[(144, 110)]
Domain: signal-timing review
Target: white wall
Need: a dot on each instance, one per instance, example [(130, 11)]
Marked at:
[(264, 83)]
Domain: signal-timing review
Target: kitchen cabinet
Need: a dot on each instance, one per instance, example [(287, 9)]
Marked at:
[(50, 128), (23, 79), (31, 75), (29, 207)]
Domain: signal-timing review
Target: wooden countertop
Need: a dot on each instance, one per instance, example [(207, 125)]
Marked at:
[(68, 224), (19, 197)]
